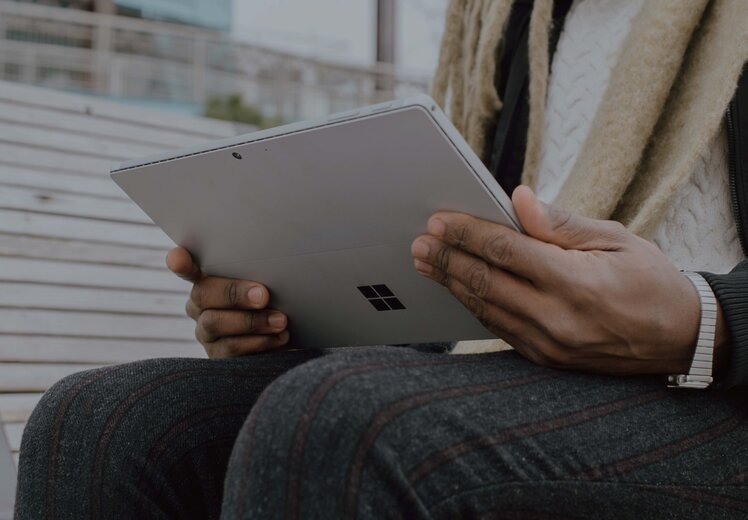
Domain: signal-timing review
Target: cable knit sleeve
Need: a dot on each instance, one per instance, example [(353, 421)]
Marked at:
[(731, 291)]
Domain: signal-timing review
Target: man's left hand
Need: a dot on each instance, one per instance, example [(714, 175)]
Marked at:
[(573, 293)]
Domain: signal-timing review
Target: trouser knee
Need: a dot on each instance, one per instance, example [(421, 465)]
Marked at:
[(304, 447)]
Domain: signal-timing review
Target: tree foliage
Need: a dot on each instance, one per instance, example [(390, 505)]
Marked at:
[(233, 108)]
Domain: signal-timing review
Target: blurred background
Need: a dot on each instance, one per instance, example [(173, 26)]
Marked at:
[(261, 61), (85, 84)]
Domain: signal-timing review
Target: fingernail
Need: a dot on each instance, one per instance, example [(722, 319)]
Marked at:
[(423, 267), (277, 320), (437, 227), (256, 295), (420, 249)]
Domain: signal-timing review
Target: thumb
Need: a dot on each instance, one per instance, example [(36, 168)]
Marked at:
[(557, 226), (180, 262)]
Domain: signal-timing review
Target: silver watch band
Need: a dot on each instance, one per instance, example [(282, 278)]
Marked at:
[(700, 374)]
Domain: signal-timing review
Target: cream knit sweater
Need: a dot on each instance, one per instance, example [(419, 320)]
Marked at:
[(698, 230)]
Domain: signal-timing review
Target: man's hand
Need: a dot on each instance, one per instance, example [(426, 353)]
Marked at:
[(231, 315), (573, 293)]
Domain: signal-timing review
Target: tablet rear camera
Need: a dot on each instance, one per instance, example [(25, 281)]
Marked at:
[(237, 155)]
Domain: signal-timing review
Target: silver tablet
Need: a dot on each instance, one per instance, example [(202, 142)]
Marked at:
[(324, 214)]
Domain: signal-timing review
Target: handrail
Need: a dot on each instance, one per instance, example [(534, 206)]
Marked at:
[(118, 56)]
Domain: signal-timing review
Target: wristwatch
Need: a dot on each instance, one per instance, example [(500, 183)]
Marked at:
[(700, 374)]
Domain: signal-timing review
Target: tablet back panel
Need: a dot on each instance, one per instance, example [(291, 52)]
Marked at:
[(316, 214)]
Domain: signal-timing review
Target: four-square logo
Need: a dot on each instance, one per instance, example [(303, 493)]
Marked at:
[(381, 298)]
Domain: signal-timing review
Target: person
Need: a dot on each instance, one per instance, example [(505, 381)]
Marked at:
[(625, 132)]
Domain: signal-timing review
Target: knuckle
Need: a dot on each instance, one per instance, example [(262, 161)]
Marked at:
[(549, 351), (615, 228), (499, 249), (188, 309), (267, 343), (546, 354), (200, 336), (217, 351), (478, 282), (566, 337), (443, 258), (511, 327), (489, 324), (250, 321), (229, 348), (459, 233), (231, 293), (443, 277), (559, 217), (476, 306), (613, 231), (197, 295), (210, 323)]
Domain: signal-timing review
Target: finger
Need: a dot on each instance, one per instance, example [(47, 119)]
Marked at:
[(555, 225), (481, 280), (497, 244), (502, 322), (213, 324), (192, 310), (519, 331), (180, 262), (245, 345), (212, 292)]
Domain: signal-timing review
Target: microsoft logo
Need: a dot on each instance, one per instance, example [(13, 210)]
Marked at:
[(381, 298)]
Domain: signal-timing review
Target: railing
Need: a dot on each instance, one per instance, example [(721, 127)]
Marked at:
[(139, 60)]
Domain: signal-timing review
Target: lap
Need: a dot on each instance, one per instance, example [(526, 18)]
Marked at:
[(448, 436), (154, 435), (382, 430), (160, 430)]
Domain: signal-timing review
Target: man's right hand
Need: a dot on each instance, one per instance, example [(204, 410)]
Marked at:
[(231, 315)]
